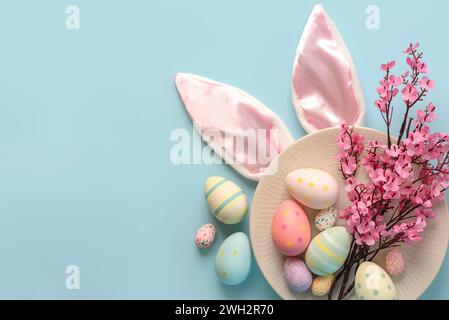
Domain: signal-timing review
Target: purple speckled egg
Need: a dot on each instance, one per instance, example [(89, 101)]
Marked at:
[(298, 277), (205, 236)]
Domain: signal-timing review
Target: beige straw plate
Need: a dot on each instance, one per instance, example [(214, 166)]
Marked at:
[(423, 260)]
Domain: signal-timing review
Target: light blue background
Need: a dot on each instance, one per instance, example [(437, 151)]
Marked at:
[(85, 119)]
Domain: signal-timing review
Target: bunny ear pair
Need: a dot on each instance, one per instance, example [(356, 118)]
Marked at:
[(247, 134)]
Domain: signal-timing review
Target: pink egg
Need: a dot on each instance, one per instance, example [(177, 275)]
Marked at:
[(394, 262), (205, 236), (290, 229)]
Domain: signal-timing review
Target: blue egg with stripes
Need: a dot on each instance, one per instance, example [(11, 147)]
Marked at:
[(328, 251), (226, 200)]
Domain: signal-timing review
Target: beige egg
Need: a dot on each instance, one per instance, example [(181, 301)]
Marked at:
[(322, 285), (313, 188)]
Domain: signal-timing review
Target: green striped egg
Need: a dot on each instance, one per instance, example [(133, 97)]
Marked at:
[(226, 200), (328, 251)]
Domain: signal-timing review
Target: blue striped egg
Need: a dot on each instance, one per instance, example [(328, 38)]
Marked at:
[(226, 200), (328, 251)]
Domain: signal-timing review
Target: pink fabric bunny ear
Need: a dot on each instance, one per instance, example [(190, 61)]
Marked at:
[(239, 128), (325, 87)]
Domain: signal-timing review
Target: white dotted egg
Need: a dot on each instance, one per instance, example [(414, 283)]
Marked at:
[(326, 219), (313, 188), (373, 283)]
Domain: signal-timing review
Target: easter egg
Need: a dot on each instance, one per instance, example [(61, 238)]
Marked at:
[(373, 283), (233, 260), (205, 236), (328, 251), (226, 200), (322, 285), (326, 218), (313, 188), (296, 274), (394, 262), (290, 229)]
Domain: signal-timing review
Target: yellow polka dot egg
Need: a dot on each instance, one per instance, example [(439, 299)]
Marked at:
[(313, 188), (226, 200)]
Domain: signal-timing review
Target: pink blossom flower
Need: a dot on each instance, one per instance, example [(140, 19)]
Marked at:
[(403, 169), (409, 93), (421, 114), (378, 176), (382, 90), (349, 165), (350, 184), (411, 62), (426, 84), (381, 104), (422, 67), (411, 48), (395, 81), (417, 137), (392, 185), (394, 151), (431, 115), (388, 65)]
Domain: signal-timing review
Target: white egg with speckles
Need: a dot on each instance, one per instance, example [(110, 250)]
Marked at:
[(326, 219), (313, 188)]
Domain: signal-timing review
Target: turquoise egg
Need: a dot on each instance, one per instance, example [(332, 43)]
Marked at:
[(328, 251), (233, 260)]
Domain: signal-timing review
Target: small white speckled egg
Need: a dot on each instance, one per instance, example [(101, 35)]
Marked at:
[(326, 218), (394, 262), (205, 236), (373, 283), (226, 200), (322, 285), (313, 188)]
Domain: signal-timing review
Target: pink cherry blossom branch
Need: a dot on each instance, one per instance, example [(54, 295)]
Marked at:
[(406, 176)]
